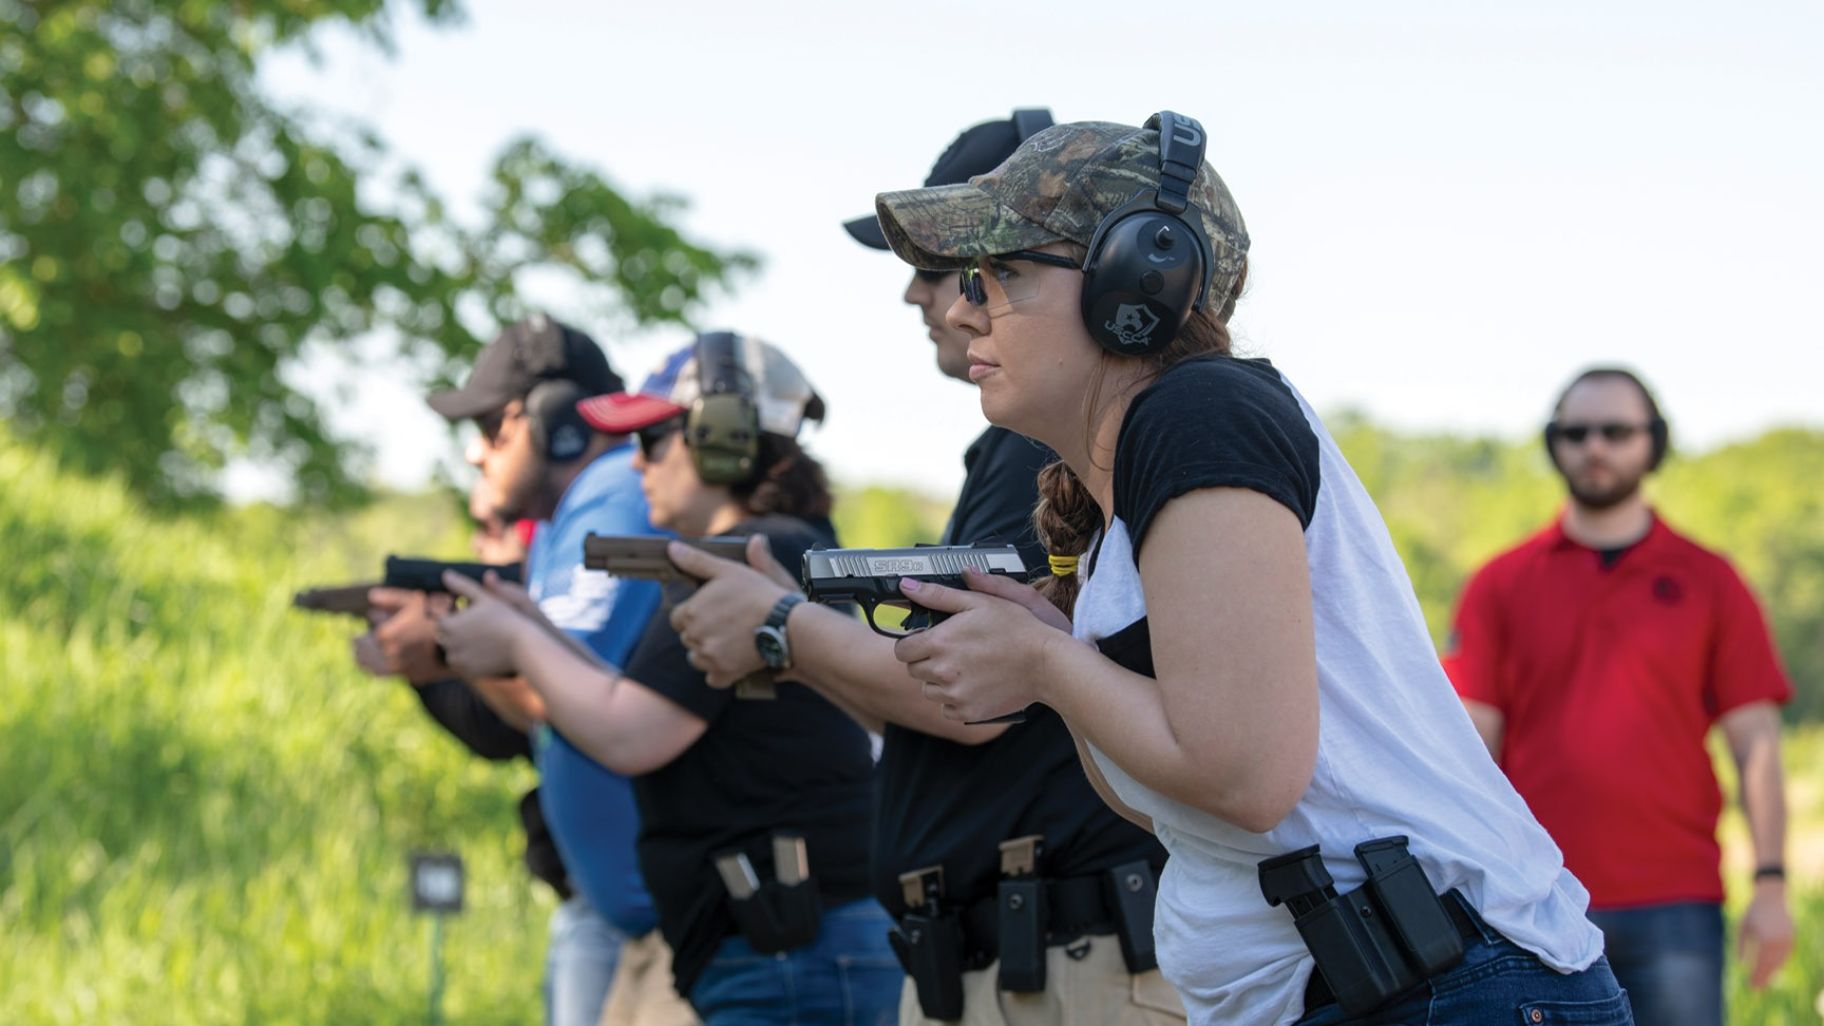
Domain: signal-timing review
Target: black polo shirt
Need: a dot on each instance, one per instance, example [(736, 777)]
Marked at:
[(795, 764), (949, 804)]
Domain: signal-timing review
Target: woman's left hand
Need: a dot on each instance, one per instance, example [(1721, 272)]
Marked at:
[(987, 659), (478, 639)]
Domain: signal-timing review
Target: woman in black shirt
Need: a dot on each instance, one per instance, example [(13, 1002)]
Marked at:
[(1235, 579), (720, 779)]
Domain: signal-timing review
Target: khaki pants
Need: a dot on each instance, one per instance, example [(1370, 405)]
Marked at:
[(642, 993), (1093, 988)]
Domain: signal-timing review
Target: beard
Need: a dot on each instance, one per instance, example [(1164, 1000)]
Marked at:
[(1602, 497)]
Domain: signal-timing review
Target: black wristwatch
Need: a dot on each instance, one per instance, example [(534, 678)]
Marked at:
[(775, 649)]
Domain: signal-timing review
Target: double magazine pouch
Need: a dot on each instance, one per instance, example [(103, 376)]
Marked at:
[(775, 915), (1375, 942)]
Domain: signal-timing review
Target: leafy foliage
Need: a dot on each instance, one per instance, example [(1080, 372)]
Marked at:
[(171, 241)]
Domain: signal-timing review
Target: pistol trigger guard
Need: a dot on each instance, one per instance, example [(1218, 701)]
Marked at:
[(867, 613), (867, 610)]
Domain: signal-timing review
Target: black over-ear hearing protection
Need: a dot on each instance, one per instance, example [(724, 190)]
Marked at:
[(723, 425), (558, 430), (1149, 262), (1658, 430), (1030, 121)]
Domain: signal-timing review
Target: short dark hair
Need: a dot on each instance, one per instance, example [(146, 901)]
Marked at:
[(1613, 374)]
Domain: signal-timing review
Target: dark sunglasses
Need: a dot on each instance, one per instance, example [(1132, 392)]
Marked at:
[(1614, 432), (652, 437), (976, 291), (930, 276), (491, 423)]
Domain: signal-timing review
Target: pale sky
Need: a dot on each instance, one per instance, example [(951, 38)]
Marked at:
[(1453, 206)]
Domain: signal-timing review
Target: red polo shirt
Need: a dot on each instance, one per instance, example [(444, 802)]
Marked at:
[(1609, 679)]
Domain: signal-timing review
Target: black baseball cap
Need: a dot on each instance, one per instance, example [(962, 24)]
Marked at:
[(537, 349), (977, 151)]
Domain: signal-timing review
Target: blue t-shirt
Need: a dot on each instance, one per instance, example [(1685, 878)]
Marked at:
[(589, 808)]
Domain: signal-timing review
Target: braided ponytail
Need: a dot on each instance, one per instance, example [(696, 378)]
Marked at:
[(1067, 517)]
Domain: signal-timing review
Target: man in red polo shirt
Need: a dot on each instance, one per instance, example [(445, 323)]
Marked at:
[(1594, 659)]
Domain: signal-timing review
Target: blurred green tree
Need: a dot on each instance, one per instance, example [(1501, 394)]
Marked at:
[(171, 241)]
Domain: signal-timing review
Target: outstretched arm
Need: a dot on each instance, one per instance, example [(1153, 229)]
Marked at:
[(626, 727)]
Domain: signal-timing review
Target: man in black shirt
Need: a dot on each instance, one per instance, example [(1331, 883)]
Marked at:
[(950, 794)]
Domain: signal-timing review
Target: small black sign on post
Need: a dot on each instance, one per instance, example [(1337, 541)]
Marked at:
[(437, 890)]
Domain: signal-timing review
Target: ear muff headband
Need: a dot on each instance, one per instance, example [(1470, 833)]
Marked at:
[(1149, 260), (558, 430), (722, 428), (1030, 121)]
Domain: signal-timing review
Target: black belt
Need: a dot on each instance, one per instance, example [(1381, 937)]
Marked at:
[(1075, 905), (1317, 992)]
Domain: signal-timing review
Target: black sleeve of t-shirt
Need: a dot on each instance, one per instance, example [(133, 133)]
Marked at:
[(1214, 423), (999, 493), (658, 661), (458, 709)]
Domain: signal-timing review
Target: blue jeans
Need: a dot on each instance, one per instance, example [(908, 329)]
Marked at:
[(846, 977), (579, 964), (1498, 983), (1670, 958)]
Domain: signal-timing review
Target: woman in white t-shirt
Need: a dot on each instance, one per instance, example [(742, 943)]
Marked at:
[(1245, 665)]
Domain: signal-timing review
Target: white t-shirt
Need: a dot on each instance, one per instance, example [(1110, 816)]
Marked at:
[(1396, 751)]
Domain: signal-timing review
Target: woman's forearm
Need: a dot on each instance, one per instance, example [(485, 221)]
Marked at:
[(592, 706), (855, 668)]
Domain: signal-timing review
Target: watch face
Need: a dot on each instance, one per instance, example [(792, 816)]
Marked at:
[(771, 646)]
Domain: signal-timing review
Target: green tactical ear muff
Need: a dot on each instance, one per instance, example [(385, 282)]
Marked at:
[(723, 425)]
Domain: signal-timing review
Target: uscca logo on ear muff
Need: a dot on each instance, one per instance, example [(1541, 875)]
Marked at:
[(1133, 324), (567, 442)]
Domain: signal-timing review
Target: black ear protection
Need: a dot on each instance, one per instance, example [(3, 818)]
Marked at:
[(1149, 261), (1030, 121), (722, 428), (558, 430), (1657, 429)]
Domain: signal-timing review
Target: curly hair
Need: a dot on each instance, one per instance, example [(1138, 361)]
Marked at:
[(792, 484)]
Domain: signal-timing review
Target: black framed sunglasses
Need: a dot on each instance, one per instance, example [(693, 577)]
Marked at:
[(929, 275), (970, 281), (491, 422), (1614, 432), (651, 438)]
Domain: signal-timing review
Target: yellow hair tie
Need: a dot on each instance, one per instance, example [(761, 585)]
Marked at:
[(1063, 566)]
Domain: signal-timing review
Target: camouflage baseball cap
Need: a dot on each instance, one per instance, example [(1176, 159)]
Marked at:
[(1057, 186)]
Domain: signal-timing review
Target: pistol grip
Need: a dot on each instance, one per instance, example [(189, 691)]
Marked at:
[(923, 618)]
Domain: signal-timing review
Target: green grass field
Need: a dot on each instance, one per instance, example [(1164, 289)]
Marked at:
[(205, 811)]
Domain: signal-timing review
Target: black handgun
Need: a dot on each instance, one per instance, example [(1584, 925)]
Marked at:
[(344, 599), (427, 574), (644, 557), (870, 577)]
